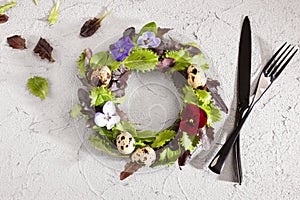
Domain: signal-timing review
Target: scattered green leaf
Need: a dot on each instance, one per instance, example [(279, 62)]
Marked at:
[(141, 60), (168, 157), (36, 2), (7, 6), (163, 137), (81, 64), (76, 111), (99, 95), (53, 16), (38, 86)]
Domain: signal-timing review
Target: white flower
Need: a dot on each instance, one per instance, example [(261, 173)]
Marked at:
[(109, 116)]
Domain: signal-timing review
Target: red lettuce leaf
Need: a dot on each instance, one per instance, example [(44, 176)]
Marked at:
[(3, 19), (16, 42), (130, 168), (44, 49)]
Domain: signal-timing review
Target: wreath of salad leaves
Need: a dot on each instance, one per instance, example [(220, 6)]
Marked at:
[(156, 52)]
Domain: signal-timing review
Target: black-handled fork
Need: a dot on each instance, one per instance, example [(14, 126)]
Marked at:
[(269, 74)]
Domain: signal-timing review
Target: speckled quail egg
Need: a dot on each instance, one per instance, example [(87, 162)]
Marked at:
[(125, 143), (103, 74), (196, 77), (145, 156)]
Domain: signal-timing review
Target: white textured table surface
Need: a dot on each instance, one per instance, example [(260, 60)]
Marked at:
[(40, 151)]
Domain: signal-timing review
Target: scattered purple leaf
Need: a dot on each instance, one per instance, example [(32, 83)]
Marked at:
[(212, 86), (3, 18), (183, 158), (129, 32), (162, 31), (165, 64), (90, 27), (16, 42), (44, 49), (130, 168), (119, 81)]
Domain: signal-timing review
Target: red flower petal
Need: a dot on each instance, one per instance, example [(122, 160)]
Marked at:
[(203, 118)]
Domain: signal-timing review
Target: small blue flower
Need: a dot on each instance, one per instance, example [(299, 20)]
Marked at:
[(148, 39), (121, 49)]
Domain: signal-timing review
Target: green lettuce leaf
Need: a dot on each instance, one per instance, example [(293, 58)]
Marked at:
[(53, 16), (200, 61), (141, 60), (146, 134), (182, 58), (204, 97), (189, 142), (103, 144), (100, 95), (76, 111), (126, 126), (189, 95), (38, 86), (7, 6), (109, 134), (163, 137), (103, 59), (150, 27), (81, 64), (167, 157)]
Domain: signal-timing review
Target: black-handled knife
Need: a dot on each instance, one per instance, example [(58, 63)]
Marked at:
[(243, 93)]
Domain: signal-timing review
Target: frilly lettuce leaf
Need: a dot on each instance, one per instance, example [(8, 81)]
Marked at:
[(163, 137), (168, 157), (81, 64), (99, 95), (141, 60), (182, 59)]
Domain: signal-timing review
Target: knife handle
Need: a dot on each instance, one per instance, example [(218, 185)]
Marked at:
[(217, 163)]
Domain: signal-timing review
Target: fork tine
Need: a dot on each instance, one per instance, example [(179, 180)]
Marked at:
[(284, 65), (277, 65), (273, 57), (267, 72)]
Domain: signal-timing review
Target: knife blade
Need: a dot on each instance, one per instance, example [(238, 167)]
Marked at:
[(243, 93), (243, 86)]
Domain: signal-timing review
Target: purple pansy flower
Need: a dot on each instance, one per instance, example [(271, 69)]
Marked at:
[(148, 39), (121, 49)]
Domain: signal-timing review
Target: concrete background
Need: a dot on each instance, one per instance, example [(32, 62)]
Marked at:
[(41, 153)]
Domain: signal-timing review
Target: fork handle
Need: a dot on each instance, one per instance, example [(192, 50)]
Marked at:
[(238, 160), (217, 163)]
